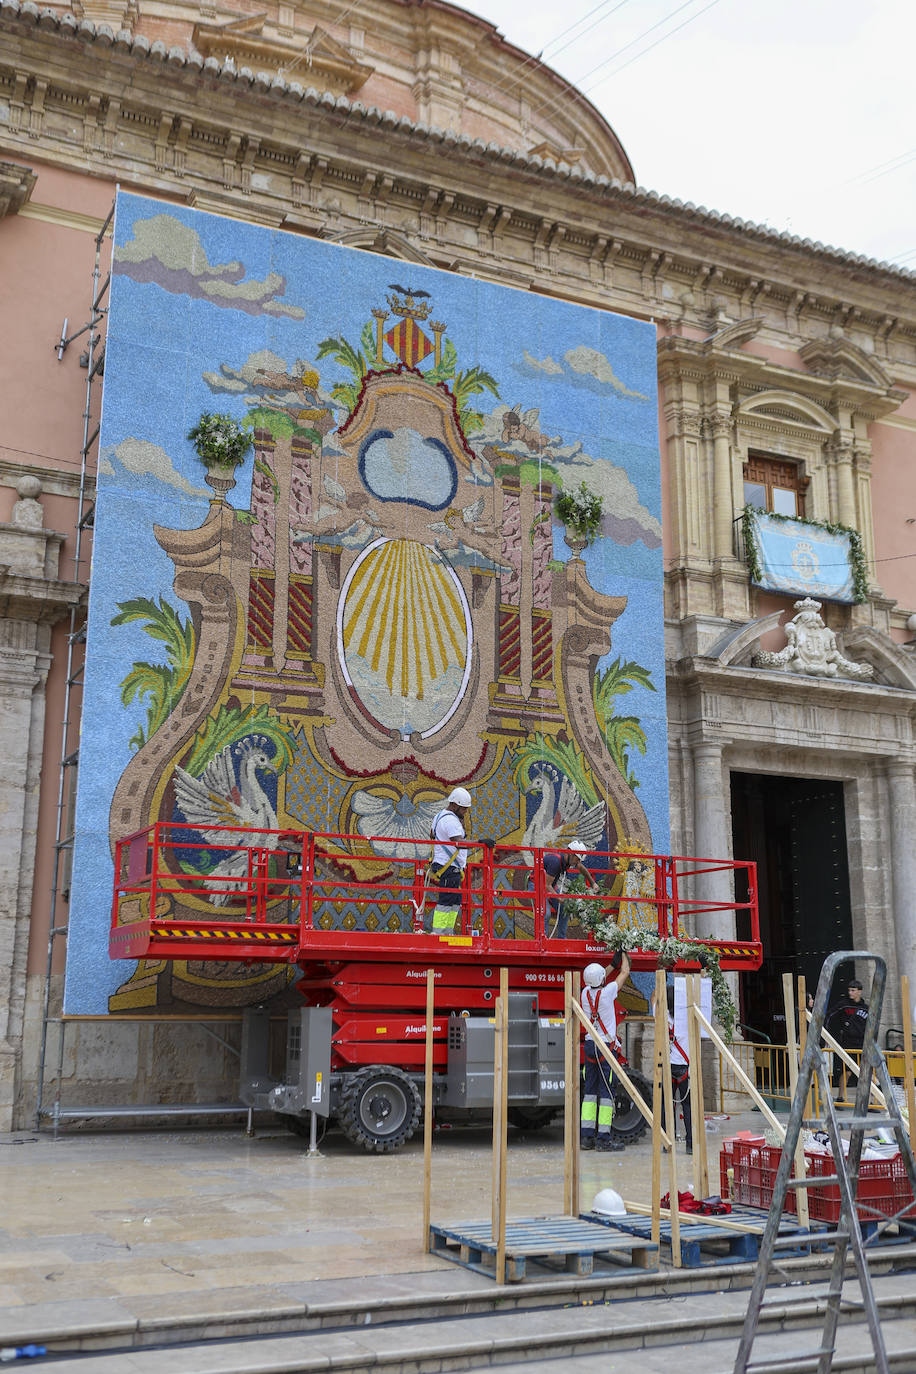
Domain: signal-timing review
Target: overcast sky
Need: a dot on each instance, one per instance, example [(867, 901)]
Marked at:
[(794, 113)]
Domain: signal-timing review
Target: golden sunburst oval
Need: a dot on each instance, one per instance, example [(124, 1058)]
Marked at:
[(404, 636)]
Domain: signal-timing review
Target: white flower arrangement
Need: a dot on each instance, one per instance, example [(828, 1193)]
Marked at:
[(220, 440)]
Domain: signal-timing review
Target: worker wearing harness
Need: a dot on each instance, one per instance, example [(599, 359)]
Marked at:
[(446, 869), (598, 998)]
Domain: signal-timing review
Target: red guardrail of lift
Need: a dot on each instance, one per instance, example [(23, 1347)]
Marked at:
[(232, 893)]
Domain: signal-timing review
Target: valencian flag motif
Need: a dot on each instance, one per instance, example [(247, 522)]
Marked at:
[(409, 342)]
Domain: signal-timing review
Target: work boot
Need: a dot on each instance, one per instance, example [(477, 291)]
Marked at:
[(586, 1142), (606, 1145)]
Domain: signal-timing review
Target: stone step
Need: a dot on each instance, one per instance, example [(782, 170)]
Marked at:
[(853, 1355), (690, 1324), (243, 1313)]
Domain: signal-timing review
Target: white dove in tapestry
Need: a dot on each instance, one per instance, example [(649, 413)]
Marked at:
[(218, 798), (403, 821), (561, 814)]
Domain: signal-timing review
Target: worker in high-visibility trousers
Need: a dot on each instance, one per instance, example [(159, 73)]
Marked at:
[(446, 870), (598, 997)]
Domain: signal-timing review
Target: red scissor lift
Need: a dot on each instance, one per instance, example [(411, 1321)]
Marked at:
[(354, 915)]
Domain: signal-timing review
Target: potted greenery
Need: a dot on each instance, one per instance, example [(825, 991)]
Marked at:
[(580, 511), (221, 445)]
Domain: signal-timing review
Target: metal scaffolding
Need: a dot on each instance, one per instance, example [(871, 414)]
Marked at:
[(93, 358)]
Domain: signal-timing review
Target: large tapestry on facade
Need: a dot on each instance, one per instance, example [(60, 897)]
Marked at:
[(379, 601)]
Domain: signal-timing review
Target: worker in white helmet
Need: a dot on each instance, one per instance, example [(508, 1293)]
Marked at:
[(599, 993), (446, 870), (559, 867)]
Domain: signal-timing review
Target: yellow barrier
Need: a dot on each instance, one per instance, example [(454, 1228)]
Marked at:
[(768, 1067)]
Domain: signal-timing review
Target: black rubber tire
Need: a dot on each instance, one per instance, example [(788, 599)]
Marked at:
[(299, 1125), (629, 1122), (380, 1108), (531, 1118)]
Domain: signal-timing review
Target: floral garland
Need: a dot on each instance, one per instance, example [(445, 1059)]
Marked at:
[(668, 949), (856, 552)]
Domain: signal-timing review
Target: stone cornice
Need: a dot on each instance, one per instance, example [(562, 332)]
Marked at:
[(762, 684), (55, 481), (243, 41), (38, 599), (701, 359), (686, 233), (16, 184)]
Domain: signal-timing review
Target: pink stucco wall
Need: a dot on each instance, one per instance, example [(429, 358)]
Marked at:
[(45, 399), (894, 505)]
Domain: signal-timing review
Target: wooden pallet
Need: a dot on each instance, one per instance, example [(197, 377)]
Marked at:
[(705, 1243), (567, 1243)]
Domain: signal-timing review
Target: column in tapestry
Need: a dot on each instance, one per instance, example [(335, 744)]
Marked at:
[(262, 578), (541, 538), (299, 620), (510, 655)]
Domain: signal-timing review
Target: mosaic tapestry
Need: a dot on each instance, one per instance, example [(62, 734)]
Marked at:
[(380, 602)]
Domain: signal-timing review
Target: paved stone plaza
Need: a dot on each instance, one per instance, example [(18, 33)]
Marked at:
[(151, 1218)]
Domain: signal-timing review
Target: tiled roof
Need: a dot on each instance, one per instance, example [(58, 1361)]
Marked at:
[(264, 83)]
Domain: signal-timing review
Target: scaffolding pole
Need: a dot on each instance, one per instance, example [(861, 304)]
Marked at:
[(63, 841)]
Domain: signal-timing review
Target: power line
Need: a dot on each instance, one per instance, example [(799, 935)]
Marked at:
[(880, 168), (536, 61), (349, 10), (533, 61), (889, 171), (548, 104), (636, 56)]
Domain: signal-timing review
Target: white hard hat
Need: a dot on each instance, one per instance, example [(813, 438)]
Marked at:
[(578, 846), (593, 975), (459, 797), (609, 1204)]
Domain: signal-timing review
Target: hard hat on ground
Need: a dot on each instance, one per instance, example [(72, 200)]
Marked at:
[(607, 1203), (578, 847), (459, 796), (593, 975)]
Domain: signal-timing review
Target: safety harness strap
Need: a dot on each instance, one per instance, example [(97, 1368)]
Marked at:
[(593, 996), (436, 873)]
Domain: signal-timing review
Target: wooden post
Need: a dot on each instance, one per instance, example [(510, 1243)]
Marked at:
[(664, 1044), (657, 1090), (844, 1058), (500, 1121), (801, 1194), (742, 1077), (571, 1098), (428, 1104), (618, 1070), (803, 1040), (697, 1111), (908, 1057)]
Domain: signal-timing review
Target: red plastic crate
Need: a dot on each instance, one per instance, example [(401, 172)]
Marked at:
[(883, 1186), (755, 1173)]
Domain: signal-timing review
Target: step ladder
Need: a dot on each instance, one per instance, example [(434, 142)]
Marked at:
[(848, 1235)]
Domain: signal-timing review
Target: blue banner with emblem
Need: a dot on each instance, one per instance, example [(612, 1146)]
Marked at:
[(797, 556)]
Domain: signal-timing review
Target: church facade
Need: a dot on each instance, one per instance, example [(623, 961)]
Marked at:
[(786, 437)]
